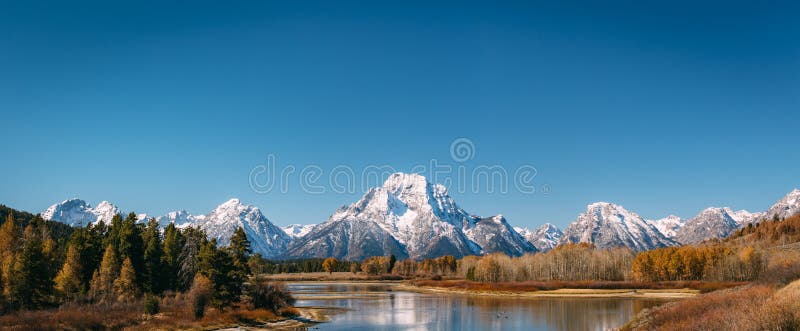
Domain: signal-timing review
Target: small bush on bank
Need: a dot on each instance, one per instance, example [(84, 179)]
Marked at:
[(151, 305), (269, 295)]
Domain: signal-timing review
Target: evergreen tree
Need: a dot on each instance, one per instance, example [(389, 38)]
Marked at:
[(102, 286), (31, 283), (113, 236), (173, 242), (153, 268), (131, 246), (392, 261), (240, 252), (69, 282), (125, 287), (88, 243), (188, 261), (217, 266)]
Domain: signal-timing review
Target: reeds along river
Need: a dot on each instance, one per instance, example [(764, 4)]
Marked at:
[(381, 307)]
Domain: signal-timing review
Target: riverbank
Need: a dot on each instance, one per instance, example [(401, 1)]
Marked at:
[(560, 293), (329, 277)]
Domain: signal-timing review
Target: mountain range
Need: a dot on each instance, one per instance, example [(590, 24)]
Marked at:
[(412, 218)]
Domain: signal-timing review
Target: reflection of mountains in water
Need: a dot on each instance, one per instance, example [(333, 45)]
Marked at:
[(377, 306)]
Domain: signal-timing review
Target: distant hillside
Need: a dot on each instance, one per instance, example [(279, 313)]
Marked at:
[(771, 233), (59, 231)]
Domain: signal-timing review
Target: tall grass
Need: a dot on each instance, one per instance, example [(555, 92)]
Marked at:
[(751, 307)]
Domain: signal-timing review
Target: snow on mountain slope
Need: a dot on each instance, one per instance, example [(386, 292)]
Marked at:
[(494, 234), (608, 225), (544, 238), (669, 225), (787, 206), (713, 223), (297, 230), (180, 218), (409, 216), (76, 212), (265, 238)]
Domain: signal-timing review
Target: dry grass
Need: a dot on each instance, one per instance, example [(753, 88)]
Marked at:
[(175, 314), (324, 276), (529, 286), (751, 307)]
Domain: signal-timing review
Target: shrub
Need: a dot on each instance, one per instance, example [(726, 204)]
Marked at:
[(269, 295), (200, 294), (151, 305)]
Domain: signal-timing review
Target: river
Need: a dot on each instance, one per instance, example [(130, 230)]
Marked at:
[(381, 306)]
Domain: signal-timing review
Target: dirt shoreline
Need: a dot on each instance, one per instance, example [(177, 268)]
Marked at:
[(562, 293)]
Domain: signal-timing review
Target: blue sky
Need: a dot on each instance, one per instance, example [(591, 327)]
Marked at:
[(663, 108)]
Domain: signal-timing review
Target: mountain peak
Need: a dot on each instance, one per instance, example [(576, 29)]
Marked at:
[(609, 225), (231, 202), (603, 205), (77, 212), (406, 183), (787, 206)]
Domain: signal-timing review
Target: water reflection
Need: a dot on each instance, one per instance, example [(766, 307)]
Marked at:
[(379, 307)]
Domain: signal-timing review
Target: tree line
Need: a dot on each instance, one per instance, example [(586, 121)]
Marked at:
[(120, 262)]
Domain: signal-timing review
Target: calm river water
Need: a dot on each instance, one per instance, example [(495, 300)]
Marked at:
[(381, 307)]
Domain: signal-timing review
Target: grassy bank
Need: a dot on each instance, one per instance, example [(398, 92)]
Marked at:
[(751, 307), (175, 314), (324, 276)]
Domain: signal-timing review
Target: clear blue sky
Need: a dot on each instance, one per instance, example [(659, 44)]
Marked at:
[(663, 108)]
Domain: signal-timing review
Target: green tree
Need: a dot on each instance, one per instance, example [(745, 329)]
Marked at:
[(240, 251), (153, 267), (131, 246), (173, 242), (31, 283), (217, 266)]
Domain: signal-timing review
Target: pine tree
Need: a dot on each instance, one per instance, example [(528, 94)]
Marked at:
[(131, 246), (102, 285), (173, 242), (113, 236), (188, 261), (31, 283), (153, 268), (69, 283), (125, 287), (217, 266), (240, 252)]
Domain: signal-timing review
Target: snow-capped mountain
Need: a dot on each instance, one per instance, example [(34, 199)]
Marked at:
[(544, 238), (494, 234), (265, 238), (77, 212), (711, 223), (297, 230), (669, 225), (180, 218), (787, 206), (407, 217), (608, 225)]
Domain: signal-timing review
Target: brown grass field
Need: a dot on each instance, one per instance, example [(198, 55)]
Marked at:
[(175, 314)]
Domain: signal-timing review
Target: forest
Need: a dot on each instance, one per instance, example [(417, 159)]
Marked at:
[(125, 263)]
